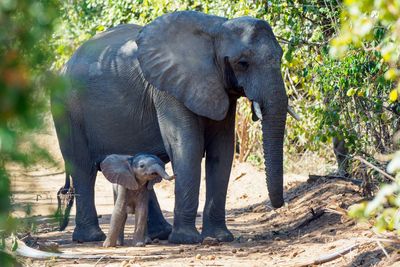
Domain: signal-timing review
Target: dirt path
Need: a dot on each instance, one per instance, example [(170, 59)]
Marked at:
[(309, 226)]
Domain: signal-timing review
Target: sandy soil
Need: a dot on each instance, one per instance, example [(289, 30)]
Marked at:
[(312, 223)]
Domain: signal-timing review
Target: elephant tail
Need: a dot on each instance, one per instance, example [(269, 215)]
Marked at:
[(65, 199)]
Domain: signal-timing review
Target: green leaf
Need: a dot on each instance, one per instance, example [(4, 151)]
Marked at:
[(357, 210), (351, 92), (3, 243), (14, 245), (289, 54)]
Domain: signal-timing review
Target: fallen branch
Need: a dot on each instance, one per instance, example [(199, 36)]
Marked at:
[(300, 42), (25, 251), (43, 175), (312, 177), (341, 212), (342, 252), (98, 261), (375, 168), (331, 256)]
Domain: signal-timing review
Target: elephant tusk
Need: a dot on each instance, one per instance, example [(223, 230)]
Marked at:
[(292, 113), (257, 110)]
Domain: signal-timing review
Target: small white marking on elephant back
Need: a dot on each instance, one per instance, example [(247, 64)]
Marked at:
[(128, 48), (95, 69)]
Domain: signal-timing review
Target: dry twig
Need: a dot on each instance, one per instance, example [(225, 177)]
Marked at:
[(337, 254), (331, 256), (382, 248), (375, 168), (25, 251), (44, 175), (312, 177)]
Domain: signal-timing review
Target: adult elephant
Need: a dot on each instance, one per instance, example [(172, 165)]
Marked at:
[(170, 88)]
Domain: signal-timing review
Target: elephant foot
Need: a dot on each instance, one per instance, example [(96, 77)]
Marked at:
[(160, 231), (120, 242), (221, 233), (147, 240), (107, 243), (139, 242), (88, 234), (185, 235)]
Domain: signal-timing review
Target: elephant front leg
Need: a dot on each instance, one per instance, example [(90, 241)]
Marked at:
[(219, 156), (141, 211), (118, 219), (183, 135), (187, 167), (121, 239)]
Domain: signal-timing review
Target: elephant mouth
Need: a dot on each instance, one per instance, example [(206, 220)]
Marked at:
[(151, 174)]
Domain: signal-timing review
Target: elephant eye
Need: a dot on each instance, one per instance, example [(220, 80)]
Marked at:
[(243, 65), (141, 166)]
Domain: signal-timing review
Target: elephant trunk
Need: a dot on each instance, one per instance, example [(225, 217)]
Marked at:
[(273, 127), (160, 171), (274, 112)]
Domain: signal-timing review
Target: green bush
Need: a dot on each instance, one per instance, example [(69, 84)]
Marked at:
[(25, 58), (374, 27)]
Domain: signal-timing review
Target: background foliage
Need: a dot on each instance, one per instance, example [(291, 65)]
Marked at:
[(374, 26), (25, 31), (346, 98)]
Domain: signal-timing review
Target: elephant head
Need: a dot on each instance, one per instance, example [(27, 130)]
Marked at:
[(133, 172), (204, 60)]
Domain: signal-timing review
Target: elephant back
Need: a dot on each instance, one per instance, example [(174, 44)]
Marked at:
[(99, 55)]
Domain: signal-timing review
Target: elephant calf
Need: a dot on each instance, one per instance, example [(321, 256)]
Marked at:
[(132, 177)]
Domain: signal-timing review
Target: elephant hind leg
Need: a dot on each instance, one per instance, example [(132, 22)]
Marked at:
[(87, 225), (157, 226), (79, 163)]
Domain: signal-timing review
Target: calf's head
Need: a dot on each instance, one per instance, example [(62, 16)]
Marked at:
[(134, 172)]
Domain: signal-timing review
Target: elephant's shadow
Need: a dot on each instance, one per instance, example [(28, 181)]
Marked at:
[(305, 216)]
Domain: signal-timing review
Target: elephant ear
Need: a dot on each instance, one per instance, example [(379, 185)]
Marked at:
[(118, 170), (150, 184), (176, 55)]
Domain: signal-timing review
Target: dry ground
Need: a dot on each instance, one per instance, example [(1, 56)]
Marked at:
[(312, 224)]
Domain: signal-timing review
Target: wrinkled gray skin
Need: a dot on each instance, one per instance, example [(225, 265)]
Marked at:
[(170, 89), (132, 178)]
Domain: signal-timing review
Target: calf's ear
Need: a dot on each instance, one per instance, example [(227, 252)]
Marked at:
[(118, 170)]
